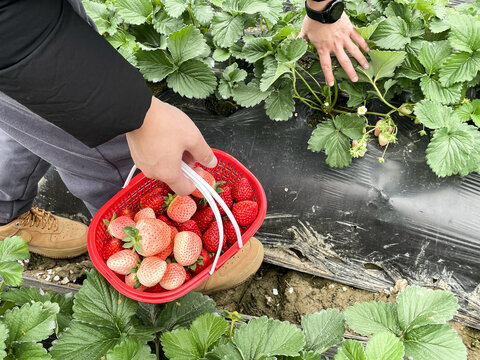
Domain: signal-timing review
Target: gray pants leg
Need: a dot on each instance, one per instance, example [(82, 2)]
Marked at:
[(28, 144)]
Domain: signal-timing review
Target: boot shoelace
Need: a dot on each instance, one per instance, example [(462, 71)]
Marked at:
[(39, 218)]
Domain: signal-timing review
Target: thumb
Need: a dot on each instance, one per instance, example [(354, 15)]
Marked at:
[(203, 153)]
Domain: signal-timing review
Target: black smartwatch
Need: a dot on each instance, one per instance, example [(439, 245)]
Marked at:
[(329, 15)]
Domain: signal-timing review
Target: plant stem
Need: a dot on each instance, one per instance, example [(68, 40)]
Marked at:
[(2, 286), (302, 99), (386, 102), (157, 347), (191, 15), (308, 86), (336, 94), (261, 23)]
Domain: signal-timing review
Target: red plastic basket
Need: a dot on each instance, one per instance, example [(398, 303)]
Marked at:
[(228, 169)]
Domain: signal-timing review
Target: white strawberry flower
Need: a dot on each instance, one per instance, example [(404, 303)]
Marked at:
[(362, 110), (326, 104)]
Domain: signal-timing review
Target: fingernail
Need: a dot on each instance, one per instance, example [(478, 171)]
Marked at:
[(366, 66), (212, 163), (355, 79), (331, 83)]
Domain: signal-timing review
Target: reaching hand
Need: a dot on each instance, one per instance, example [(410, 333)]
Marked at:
[(335, 38), (167, 137)]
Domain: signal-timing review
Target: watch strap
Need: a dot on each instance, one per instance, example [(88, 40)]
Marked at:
[(321, 16)]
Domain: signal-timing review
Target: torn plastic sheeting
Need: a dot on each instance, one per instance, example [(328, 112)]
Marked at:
[(366, 225)]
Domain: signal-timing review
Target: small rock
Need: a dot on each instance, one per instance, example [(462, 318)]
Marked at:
[(65, 280), (331, 286), (275, 292), (400, 285), (290, 291), (269, 299), (47, 278), (49, 271), (38, 274), (56, 278), (344, 288)]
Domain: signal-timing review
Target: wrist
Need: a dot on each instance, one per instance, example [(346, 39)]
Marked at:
[(317, 5)]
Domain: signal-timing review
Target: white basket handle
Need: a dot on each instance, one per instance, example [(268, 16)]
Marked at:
[(207, 191)]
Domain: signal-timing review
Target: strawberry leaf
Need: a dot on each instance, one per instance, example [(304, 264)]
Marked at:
[(186, 44), (130, 350), (391, 34), (249, 95), (351, 125), (373, 317), (104, 16), (384, 346), (291, 50), (464, 33), (273, 71), (193, 78), (434, 90), (433, 54), (350, 350), (165, 24), (356, 92), (323, 330), (221, 54), (434, 115), (257, 48), (175, 8), (337, 149), (383, 63), (134, 12), (460, 67), (469, 111), (28, 351), (12, 249), (154, 65), (320, 135), (226, 29), (280, 105), (203, 12)]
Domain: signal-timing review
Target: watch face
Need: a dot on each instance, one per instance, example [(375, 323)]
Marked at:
[(336, 10)]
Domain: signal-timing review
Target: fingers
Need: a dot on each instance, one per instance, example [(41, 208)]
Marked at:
[(202, 153), (326, 64), (188, 159), (346, 64), (357, 54), (179, 183), (360, 41)]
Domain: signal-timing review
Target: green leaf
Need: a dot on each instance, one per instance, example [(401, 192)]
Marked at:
[(193, 79), (28, 351), (84, 342), (320, 135), (392, 34), (419, 306), (438, 26), (356, 92), (383, 63), (351, 125), (130, 349), (221, 54), (350, 350), (280, 105), (384, 346), (434, 342), (372, 317), (273, 71), (134, 12), (264, 337), (31, 322), (291, 50), (154, 65), (411, 68), (246, 6), (207, 329), (11, 273), (25, 295), (469, 111), (433, 54), (248, 95), (99, 303), (175, 8), (434, 115), (175, 314), (224, 352), (147, 37), (165, 24), (202, 12), (433, 90), (460, 67), (180, 345), (3, 339), (233, 74), (225, 89), (226, 29), (337, 149), (256, 49), (104, 17), (186, 44), (323, 330), (464, 33), (13, 249), (367, 31), (122, 39)]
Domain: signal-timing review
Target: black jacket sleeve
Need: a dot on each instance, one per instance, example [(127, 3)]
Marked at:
[(55, 64)]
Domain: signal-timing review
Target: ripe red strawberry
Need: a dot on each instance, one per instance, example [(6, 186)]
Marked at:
[(149, 237), (207, 177), (165, 219), (189, 276), (204, 218), (110, 247), (180, 208), (201, 203), (225, 192), (123, 261), (192, 226), (225, 247), (151, 271), (116, 225), (203, 261), (128, 212), (212, 171), (155, 289), (245, 212), (166, 253), (174, 276), (242, 190), (146, 213), (187, 248), (154, 199), (131, 280), (211, 238), (229, 231)]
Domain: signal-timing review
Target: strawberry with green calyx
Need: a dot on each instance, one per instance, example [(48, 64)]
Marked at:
[(205, 176), (154, 199), (180, 208), (204, 260), (110, 247), (187, 248), (190, 225), (149, 237), (242, 190), (122, 262), (151, 271), (204, 218), (146, 213), (211, 238), (116, 224), (245, 212), (131, 280), (174, 276), (225, 192)]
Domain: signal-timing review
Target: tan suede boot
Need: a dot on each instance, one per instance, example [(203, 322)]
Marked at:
[(241, 267), (47, 234)]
